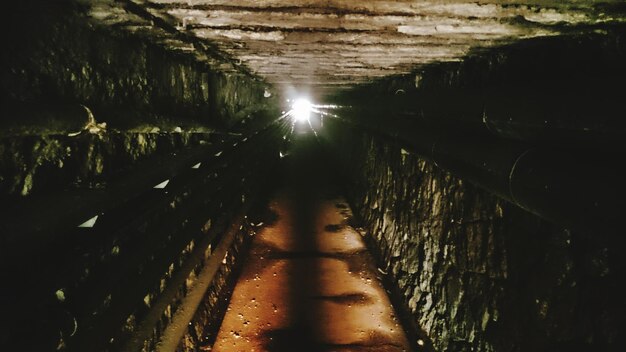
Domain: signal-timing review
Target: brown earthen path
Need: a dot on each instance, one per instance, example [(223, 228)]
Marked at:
[(309, 285)]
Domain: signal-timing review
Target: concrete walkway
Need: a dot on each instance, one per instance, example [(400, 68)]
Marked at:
[(309, 285)]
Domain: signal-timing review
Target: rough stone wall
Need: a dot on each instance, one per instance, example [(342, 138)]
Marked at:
[(129, 86), (29, 164), (62, 54), (560, 91), (200, 335), (209, 309), (477, 273)]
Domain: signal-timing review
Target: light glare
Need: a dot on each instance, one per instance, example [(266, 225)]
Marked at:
[(301, 110)]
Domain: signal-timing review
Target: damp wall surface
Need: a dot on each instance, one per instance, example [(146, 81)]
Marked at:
[(561, 92), (476, 272), (430, 159), (36, 164), (125, 157), (64, 53), (90, 89), (119, 283)]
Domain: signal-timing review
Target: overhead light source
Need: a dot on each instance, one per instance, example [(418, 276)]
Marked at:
[(301, 110)]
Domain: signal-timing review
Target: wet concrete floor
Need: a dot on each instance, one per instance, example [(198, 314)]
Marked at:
[(309, 283)]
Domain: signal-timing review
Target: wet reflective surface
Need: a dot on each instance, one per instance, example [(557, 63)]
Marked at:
[(309, 283), (310, 289)]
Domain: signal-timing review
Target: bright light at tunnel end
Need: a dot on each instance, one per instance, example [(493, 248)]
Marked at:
[(301, 110)]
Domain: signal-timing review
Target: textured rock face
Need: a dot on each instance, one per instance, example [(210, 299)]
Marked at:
[(30, 164), (123, 281), (212, 306), (477, 273), (103, 102), (328, 44), (127, 71), (555, 91), (131, 89)]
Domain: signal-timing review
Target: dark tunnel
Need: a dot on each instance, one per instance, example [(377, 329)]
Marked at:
[(382, 175)]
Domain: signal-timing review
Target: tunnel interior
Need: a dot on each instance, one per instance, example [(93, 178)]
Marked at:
[(312, 175)]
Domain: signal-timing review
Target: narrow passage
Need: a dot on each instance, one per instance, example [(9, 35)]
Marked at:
[(309, 283)]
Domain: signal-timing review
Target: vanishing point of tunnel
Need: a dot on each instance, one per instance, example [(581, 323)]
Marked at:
[(312, 175)]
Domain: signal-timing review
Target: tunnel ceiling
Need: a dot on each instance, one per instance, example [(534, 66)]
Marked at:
[(329, 45)]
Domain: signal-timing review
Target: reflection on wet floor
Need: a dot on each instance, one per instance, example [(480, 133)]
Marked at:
[(309, 285)]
